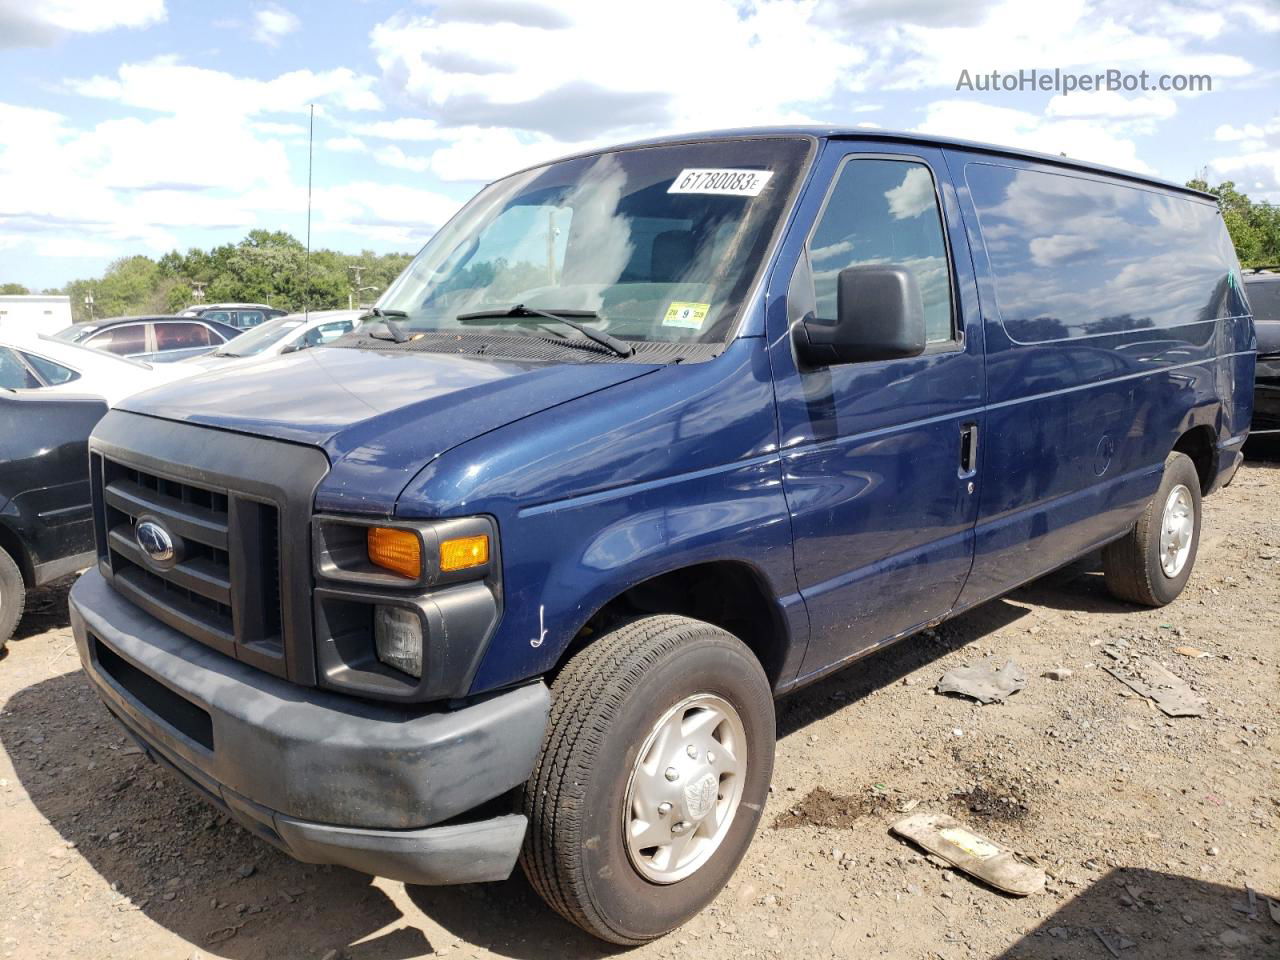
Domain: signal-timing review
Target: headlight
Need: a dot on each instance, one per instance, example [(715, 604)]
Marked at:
[(403, 610), (403, 554)]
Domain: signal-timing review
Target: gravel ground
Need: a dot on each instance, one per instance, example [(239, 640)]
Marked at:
[(1152, 830)]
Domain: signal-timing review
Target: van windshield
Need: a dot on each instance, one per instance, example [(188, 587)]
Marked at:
[(660, 243)]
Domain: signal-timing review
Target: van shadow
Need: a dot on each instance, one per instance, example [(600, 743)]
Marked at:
[(1079, 587), (183, 864), (1134, 912), (45, 609)]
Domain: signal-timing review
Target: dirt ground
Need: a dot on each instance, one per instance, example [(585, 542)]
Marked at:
[(1152, 830)]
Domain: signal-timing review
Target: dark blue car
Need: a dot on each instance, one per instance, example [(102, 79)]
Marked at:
[(1263, 290), (641, 440)]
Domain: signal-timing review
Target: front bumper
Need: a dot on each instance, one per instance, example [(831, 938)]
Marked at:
[(326, 778)]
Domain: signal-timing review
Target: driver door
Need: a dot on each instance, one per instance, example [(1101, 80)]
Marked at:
[(879, 459)]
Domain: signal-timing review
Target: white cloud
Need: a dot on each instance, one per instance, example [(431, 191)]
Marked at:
[(1250, 131), (1079, 139), (1109, 105), (167, 85), (27, 23), (272, 23), (345, 145), (279, 129), (402, 128), (560, 71), (1255, 168), (1079, 36)]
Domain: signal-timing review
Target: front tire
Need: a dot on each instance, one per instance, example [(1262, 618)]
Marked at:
[(652, 778), (13, 596), (1151, 564)]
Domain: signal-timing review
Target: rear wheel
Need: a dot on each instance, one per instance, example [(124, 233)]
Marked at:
[(1151, 564), (652, 778), (13, 596)]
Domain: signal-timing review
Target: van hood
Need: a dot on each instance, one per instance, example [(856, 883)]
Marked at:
[(380, 416)]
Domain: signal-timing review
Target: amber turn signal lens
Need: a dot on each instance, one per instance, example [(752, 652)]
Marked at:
[(464, 552), (399, 551)]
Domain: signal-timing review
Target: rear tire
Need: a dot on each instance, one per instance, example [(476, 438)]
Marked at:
[(664, 712), (13, 597), (1151, 564)]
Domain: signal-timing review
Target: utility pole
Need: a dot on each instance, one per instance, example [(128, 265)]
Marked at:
[(88, 303), (357, 269)]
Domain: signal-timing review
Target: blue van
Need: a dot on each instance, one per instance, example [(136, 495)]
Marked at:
[(641, 440)]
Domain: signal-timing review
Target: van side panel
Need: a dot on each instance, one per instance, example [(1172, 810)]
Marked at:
[(1103, 303)]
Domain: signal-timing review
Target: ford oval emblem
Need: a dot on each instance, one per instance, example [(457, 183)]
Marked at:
[(154, 541)]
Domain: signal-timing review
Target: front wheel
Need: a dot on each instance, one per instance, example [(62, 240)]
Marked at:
[(1152, 562), (652, 778), (13, 595)]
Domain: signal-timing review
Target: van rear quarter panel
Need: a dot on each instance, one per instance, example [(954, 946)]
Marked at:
[(1082, 414)]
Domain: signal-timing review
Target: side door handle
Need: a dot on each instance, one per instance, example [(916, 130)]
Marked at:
[(968, 450)]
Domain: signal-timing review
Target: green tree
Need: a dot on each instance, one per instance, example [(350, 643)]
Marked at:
[(1254, 226), (12, 289), (267, 266)]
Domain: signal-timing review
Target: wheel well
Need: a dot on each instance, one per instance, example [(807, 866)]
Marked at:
[(728, 594), (11, 545), (1197, 443)]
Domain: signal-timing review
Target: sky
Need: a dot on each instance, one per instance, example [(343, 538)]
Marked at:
[(140, 126)]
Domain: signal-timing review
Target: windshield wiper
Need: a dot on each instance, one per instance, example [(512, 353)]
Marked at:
[(397, 332), (521, 312)]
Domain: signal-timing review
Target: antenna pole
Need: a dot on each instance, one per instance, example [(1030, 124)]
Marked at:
[(306, 268)]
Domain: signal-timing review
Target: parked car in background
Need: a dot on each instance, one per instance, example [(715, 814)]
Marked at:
[(55, 367), (287, 334), (242, 316), (51, 395), (641, 440), (153, 339), (46, 515), (1263, 291)]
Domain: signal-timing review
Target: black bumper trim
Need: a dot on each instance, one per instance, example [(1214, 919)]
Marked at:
[(310, 755), (474, 852)]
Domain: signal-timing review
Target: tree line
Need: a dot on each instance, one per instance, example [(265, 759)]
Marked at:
[(1254, 226), (265, 267)]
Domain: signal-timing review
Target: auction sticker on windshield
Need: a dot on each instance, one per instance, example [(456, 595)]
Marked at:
[(726, 182), (688, 315)]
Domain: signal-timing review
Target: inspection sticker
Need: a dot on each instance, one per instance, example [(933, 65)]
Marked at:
[(688, 315), (726, 182)]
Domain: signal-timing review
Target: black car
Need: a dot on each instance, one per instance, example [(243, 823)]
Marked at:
[(242, 316), (46, 519), (1263, 291), (161, 339)]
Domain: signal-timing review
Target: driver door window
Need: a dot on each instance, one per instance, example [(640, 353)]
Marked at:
[(884, 212)]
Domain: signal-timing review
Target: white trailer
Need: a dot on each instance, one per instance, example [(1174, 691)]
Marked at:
[(34, 314)]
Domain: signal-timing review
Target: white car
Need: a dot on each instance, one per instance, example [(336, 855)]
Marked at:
[(287, 334), (30, 362)]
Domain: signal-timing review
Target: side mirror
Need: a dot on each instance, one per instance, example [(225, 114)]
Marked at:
[(292, 348), (879, 316)]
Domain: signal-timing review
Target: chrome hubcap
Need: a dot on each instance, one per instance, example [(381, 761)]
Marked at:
[(685, 788), (1176, 527)]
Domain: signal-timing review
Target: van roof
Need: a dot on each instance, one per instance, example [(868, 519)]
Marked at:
[(902, 136)]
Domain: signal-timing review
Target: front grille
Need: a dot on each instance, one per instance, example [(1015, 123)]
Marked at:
[(224, 588)]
